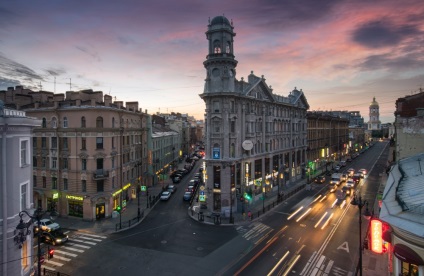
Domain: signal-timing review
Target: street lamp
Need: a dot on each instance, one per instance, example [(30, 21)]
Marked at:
[(360, 203), (23, 231)]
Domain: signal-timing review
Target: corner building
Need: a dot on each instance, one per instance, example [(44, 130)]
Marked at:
[(255, 140)]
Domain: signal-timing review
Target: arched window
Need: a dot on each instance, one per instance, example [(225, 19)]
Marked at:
[(216, 47), (113, 122), (99, 122), (83, 122), (65, 122), (44, 123), (228, 48)]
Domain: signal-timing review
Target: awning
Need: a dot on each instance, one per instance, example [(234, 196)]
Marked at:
[(408, 255)]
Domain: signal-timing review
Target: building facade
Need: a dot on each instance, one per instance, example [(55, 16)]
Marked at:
[(16, 189), (253, 138), (409, 125), (88, 154), (328, 140)]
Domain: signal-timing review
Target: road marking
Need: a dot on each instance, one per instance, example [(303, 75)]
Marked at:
[(344, 246), (62, 258), (95, 236), (74, 249), (87, 242), (78, 245), (65, 253), (54, 263), (90, 239), (48, 267)]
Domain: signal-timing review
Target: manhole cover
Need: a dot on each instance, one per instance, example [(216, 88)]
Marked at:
[(121, 267), (163, 242), (199, 248)]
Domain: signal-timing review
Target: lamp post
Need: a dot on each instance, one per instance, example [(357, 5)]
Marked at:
[(360, 203), (138, 201), (122, 176), (23, 231)]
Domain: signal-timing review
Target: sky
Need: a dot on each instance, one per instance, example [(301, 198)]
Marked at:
[(341, 53)]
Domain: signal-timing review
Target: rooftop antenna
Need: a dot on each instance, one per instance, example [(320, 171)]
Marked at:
[(70, 84), (41, 87), (54, 84)]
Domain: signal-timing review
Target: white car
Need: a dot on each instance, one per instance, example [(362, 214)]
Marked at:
[(350, 183), (165, 195), (47, 225)]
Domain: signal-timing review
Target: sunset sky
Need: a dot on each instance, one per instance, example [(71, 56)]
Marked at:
[(341, 53)]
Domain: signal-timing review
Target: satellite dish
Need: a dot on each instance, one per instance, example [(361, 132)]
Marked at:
[(247, 145)]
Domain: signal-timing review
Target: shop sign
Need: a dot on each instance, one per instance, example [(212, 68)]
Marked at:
[(123, 189), (376, 236), (55, 195), (71, 197)]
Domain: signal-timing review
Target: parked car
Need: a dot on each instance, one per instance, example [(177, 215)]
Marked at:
[(187, 196), (176, 180), (47, 225), (337, 168), (165, 195), (54, 237), (319, 179), (172, 188)]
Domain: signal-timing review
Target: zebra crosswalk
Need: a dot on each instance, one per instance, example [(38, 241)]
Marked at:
[(254, 231), (77, 244)]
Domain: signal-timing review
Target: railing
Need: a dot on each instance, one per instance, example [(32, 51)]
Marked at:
[(100, 174), (53, 273), (129, 223)]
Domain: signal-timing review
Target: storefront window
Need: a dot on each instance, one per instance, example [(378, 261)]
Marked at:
[(75, 208), (409, 269)]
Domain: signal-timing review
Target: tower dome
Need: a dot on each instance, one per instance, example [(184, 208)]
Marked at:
[(374, 103), (220, 20)]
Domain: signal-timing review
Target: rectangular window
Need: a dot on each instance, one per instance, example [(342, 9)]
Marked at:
[(24, 153), (25, 254), (54, 162), (65, 163), (113, 142), (54, 183), (65, 142), (83, 143), (216, 107), (43, 162), (233, 126), (34, 161), (113, 162), (34, 142), (34, 181), (100, 185), (113, 182), (84, 186), (44, 182), (24, 197), (84, 164), (99, 143), (43, 142), (65, 184), (54, 142)]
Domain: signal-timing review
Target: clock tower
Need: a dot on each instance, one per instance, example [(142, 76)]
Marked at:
[(220, 63)]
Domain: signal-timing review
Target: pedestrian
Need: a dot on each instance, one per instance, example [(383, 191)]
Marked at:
[(249, 214), (244, 216)]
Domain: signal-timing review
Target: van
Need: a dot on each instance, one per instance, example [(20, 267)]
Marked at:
[(336, 178)]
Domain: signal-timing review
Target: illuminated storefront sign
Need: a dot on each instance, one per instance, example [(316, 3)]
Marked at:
[(71, 197), (55, 195), (376, 236), (123, 189)]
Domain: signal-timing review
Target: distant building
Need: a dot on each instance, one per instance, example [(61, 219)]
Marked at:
[(16, 183), (253, 137), (374, 122)]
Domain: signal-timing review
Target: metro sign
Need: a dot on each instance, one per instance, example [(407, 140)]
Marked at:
[(376, 236)]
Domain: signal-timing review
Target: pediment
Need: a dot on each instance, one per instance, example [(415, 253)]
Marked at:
[(260, 91)]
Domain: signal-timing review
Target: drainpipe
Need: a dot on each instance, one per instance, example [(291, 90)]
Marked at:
[(4, 198)]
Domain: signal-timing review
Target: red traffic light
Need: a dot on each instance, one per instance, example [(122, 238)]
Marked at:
[(51, 253)]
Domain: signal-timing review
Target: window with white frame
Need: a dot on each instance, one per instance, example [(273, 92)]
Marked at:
[(24, 197), (65, 122), (24, 152), (54, 162)]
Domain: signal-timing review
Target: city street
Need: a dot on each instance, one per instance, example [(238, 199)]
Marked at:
[(285, 240)]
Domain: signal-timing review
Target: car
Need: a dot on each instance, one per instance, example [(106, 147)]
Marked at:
[(187, 196), (350, 172), (343, 177), (190, 188), (172, 188), (165, 195), (347, 190), (337, 168), (333, 188), (47, 225), (350, 183), (319, 179), (349, 159), (357, 177), (54, 237), (176, 180), (363, 172)]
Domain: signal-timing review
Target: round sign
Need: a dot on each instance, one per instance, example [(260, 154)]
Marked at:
[(202, 188), (247, 145)]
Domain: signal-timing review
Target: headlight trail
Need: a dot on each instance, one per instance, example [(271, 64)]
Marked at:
[(279, 262), (323, 216), (304, 214), (297, 211), (327, 221)]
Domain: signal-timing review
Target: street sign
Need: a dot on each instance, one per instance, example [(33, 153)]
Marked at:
[(41, 259), (201, 193), (202, 198), (143, 188)]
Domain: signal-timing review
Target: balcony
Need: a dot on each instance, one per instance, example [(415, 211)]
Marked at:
[(100, 174)]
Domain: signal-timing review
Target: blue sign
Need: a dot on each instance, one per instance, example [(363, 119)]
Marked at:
[(201, 193), (216, 153)]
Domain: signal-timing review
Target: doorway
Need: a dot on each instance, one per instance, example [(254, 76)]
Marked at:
[(100, 211)]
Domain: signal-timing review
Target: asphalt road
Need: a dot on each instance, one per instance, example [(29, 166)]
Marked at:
[(282, 242)]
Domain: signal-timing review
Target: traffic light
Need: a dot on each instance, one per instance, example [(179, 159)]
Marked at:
[(51, 252), (248, 195), (118, 209)]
